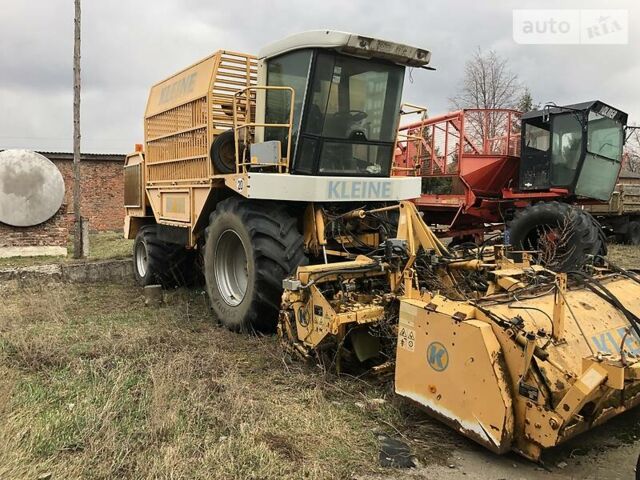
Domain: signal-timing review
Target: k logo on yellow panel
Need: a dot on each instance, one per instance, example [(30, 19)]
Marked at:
[(437, 356)]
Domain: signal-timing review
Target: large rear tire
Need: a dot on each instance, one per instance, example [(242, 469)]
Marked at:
[(250, 248), (572, 233)]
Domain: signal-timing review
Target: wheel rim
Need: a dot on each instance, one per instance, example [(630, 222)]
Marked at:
[(142, 259), (230, 267)]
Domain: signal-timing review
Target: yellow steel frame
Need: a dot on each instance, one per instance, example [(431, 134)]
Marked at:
[(184, 113), (503, 359), (246, 129)]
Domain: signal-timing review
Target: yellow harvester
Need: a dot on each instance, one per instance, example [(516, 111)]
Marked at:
[(275, 172)]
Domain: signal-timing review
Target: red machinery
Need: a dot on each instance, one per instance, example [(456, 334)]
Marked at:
[(484, 168), (469, 161)]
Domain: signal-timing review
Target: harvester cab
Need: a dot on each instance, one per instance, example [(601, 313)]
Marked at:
[(577, 148), (326, 104), (346, 101)]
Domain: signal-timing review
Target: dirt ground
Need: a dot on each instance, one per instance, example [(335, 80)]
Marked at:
[(606, 453), (93, 384)]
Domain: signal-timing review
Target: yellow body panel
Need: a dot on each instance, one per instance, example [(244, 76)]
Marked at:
[(181, 88), (453, 370), (591, 325), (184, 114)]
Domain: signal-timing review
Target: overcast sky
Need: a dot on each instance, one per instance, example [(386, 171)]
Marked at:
[(129, 45)]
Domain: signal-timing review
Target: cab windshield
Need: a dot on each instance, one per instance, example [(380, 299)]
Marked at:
[(605, 137), (346, 112), (352, 116)]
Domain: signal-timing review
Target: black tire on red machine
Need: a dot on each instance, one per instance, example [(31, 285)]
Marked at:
[(157, 262), (250, 247), (569, 235)]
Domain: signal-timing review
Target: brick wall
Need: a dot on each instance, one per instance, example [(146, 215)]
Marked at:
[(102, 193), (101, 202), (52, 233)]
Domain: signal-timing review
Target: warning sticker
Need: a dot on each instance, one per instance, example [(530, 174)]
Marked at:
[(407, 338)]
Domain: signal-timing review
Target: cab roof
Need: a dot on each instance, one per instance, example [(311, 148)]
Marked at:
[(595, 105), (350, 44)]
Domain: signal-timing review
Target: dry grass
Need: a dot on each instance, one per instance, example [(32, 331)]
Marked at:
[(107, 245), (102, 246), (627, 256), (93, 384)]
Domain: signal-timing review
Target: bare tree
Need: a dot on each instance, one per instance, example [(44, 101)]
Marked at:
[(632, 152), (488, 83), (77, 237)]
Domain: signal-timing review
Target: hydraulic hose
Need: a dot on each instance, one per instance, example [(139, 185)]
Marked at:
[(629, 274), (313, 281)]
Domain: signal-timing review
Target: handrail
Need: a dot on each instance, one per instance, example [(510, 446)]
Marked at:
[(451, 115), (436, 146), (408, 109), (247, 125)]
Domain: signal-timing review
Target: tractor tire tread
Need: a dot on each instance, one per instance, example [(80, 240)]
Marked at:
[(277, 249), (587, 238), (169, 265)]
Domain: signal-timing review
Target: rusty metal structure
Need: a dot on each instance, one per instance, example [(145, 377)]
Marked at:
[(466, 159), (480, 166), (621, 216)]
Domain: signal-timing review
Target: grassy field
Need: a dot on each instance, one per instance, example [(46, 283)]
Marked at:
[(93, 384), (102, 246)]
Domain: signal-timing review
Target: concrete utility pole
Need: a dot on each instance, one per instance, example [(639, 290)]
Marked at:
[(77, 235)]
